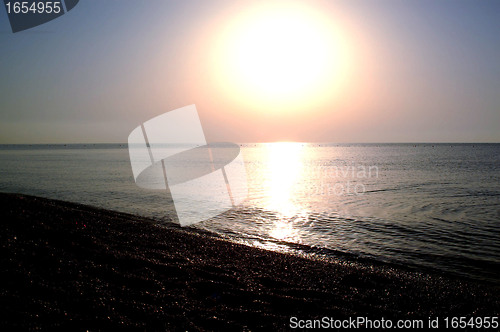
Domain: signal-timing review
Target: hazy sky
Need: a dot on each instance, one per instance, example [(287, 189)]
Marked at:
[(402, 71)]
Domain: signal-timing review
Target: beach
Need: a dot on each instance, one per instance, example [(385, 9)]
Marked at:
[(75, 267)]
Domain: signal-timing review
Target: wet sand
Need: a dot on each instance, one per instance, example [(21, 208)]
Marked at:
[(74, 267)]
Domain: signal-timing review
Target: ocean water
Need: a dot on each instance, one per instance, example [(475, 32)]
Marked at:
[(424, 206)]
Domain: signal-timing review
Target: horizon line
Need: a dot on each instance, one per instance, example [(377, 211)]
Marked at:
[(272, 142)]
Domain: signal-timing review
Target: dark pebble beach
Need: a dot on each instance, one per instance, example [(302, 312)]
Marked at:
[(72, 267)]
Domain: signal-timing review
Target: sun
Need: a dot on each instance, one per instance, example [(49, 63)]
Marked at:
[(280, 54)]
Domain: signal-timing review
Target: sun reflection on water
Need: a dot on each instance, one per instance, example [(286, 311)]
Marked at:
[(284, 169), (284, 230)]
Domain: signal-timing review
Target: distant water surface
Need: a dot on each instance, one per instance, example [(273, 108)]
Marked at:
[(426, 206)]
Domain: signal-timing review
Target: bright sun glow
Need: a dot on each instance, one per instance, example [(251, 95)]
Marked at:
[(280, 54)]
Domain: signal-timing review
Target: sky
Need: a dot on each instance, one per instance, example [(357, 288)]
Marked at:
[(257, 71)]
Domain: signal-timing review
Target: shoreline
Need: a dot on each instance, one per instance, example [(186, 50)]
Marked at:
[(72, 266)]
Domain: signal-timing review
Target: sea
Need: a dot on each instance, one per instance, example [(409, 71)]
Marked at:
[(422, 206)]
